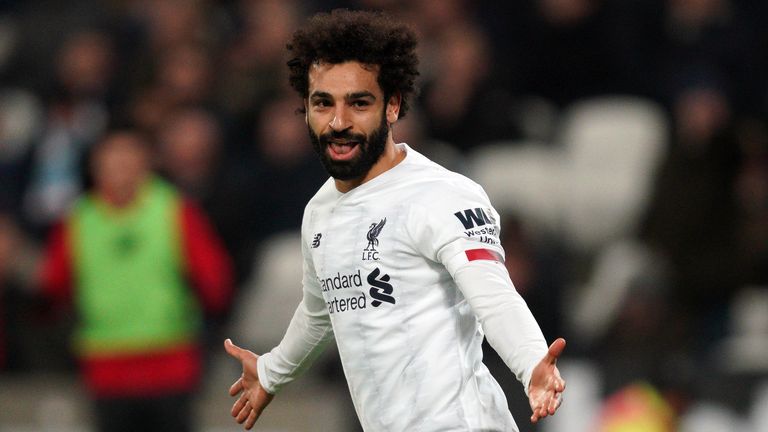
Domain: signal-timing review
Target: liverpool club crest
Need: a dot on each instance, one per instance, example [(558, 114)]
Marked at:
[(370, 252)]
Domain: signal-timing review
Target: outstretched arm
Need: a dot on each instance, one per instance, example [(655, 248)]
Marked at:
[(253, 397), (545, 393), (513, 332), (457, 226), (263, 376)]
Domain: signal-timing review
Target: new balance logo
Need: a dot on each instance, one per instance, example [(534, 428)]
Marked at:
[(471, 218), (316, 240), (380, 290)]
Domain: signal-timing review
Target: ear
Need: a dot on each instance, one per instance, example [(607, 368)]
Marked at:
[(393, 108)]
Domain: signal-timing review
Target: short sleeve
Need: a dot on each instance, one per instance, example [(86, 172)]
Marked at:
[(456, 224)]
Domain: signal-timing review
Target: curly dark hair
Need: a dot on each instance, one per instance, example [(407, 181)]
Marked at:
[(371, 38)]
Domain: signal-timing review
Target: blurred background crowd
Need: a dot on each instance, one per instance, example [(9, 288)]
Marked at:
[(624, 142)]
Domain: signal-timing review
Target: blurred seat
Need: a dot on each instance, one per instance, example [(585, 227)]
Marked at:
[(759, 408), (612, 145), (261, 316), (521, 177), (744, 350), (712, 417), (593, 186), (264, 306), (268, 300), (614, 279), (581, 404)]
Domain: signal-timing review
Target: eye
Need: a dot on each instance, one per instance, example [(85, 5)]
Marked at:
[(360, 103), (321, 103)]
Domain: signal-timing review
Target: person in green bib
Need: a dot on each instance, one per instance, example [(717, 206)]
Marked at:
[(142, 268)]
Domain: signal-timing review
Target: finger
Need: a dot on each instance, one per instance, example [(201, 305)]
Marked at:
[(541, 407), (237, 387), (244, 413), (233, 350), (536, 409), (559, 385), (555, 403), (551, 405), (252, 417), (238, 405), (535, 417), (555, 350), (261, 401), (543, 412)]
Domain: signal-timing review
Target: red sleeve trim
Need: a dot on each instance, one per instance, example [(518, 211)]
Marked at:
[(206, 262), (483, 254)]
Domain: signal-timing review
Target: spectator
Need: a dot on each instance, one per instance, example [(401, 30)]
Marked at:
[(171, 23), (8, 242), (23, 331), (192, 156), (253, 69), (752, 197), (559, 50), (285, 167), (77, 113), (459, 77), (184, 77), (20, 121), (141, 265), (462, 93), (692, 218)]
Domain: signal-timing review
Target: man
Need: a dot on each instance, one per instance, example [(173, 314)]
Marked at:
[(141, 265), (402, 261)]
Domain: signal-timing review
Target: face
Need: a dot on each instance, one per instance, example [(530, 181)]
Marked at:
[(188, 147), (120, 166), (348, 118)]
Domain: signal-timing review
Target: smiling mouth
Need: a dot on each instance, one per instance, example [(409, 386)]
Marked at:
[(342, 150)]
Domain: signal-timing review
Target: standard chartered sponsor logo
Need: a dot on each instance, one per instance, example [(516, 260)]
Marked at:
[(340, 281), (380, 291), (346, 304)]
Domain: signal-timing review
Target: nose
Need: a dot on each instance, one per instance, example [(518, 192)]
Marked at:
[(339, 122)]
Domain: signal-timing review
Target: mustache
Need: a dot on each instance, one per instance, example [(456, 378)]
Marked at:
[(345, 135)]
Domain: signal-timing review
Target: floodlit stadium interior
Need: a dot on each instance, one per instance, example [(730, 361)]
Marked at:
[(624, 144)]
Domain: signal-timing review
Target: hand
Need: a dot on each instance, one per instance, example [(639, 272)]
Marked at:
[(545, 392), (254, 398)]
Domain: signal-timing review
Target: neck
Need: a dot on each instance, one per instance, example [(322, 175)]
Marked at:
[(392, 156)]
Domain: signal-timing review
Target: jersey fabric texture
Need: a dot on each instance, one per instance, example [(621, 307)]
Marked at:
[(383, 271)]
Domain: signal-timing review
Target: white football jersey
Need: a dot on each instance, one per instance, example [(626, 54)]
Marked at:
[(379, 263)]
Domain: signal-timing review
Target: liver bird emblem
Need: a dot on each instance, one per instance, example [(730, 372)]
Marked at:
[(373, 235)]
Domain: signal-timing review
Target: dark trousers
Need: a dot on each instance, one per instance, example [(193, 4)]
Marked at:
[(164, 413)]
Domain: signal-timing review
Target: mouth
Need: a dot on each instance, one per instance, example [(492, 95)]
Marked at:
[(342, 150)]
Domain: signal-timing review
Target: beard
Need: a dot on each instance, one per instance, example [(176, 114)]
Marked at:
[(371, 148)]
